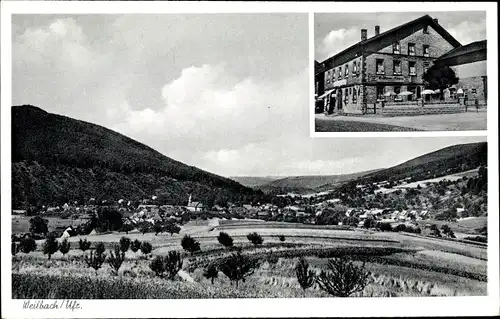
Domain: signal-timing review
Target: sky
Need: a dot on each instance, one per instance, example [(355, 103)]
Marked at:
[(334, 32), (227, 93)]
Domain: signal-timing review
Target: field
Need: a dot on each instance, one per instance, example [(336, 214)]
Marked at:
[(21, 224), (451, 177), (399, 265)]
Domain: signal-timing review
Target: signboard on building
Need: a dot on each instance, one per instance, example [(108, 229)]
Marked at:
[(389, 78), (339, 83)]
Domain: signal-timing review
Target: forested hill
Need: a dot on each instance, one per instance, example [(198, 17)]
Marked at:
[(449, 160), (57, 158)]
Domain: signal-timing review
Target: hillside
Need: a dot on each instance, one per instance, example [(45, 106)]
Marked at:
[(57, 158), (311, 183), (254, 181), (449, 160)]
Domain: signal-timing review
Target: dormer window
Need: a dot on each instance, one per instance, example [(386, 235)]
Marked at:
[(346, 68), (355, 68), (396, 48)]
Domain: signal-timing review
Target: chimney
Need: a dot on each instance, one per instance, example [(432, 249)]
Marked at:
[(364, 34), (377, 30), (436, 20)]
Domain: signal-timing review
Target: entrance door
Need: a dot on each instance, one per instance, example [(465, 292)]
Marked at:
[(419, 93), (339, 99)]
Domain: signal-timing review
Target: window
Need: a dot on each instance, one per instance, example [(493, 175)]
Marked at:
[(411, 48), (340, 73), (426, 29), (397, 67), (354, 95), (354, 68), (412, 67), (380, 66), (412, 89), (380, 92), (397, 89), (395, 48), (426, 50), (350, 91), (346, 70), (473, 91)]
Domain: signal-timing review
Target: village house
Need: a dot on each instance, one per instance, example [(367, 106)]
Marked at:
[(379, 68)]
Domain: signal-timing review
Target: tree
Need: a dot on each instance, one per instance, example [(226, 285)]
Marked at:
[(190, 244), (158, 228), (27, 245), (435, 231), (116, 258), (448, 231), (96, 257), (39, 225), (172, 228), (127, 228), (171, 264), (124, 244), (400, 228), (344, 278), (439, 77), (211, 272), (144, 227), (83, 244), (135, 245), (146, 248), (305, 276), (255, 238), (64, 247), (237, 267), (225, 240), (281, 238), (50, 246)]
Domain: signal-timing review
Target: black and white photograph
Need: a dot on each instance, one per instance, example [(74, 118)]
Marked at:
[(161, 164), (405, 71)]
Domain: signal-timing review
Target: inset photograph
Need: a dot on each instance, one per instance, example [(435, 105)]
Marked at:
[(400, 71)]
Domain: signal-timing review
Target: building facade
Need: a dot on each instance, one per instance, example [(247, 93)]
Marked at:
[(381, 67)]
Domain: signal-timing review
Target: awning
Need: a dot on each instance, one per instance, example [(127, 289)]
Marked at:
[(427, 92), (405, 93), (389, 93), (325, 94), (437, 91), (460, 91)]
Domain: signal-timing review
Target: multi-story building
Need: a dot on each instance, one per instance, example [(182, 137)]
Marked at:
[(386, 64)]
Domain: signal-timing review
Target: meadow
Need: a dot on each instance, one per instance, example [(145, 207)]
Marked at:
[(399, 265)]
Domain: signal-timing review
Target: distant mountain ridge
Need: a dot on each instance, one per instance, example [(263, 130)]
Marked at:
[(56, 159)]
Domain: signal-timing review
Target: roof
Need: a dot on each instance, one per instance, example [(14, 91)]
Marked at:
[(475, 48), (354, 50)]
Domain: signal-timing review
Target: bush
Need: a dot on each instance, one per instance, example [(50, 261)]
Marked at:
[(171, 264), (145, 227), (369, 223), (255, 238), (211, 272), (127, 228), (344, 278), (305, 276), (400, 228), (281, 238), (84, 244), (116, 259), (237, 267), (124, 244), (158, 228), (480, 239), (27, 245), (135, 245), (190, 244), (384, 226), (225, 240), (146, 248), (64, 247), (99, 248), (50, 246)]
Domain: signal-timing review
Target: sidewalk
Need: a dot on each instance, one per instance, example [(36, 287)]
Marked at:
[(471, 120)]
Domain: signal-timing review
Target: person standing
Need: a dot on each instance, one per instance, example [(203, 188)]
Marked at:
[(476, 102), (465, 103)]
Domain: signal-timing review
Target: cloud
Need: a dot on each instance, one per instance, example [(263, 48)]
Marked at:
[(336, 41)]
